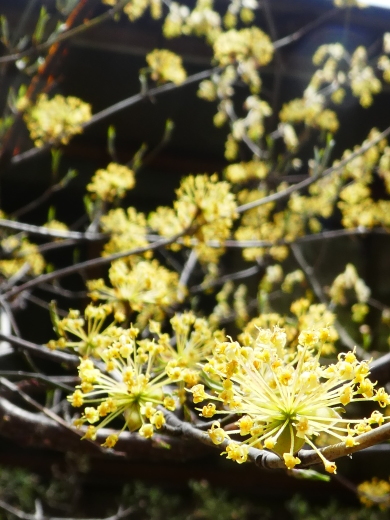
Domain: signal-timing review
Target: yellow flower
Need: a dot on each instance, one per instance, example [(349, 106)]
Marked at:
[(133, 391), (56, 119), (112, 182), (88, 335), (288, 398), (237, 452), (166, 66), (290, 460), (375, 492)]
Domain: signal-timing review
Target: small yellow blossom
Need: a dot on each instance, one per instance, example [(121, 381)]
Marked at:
[(57, 119), (112, 182), (166, 66), (237, 452)]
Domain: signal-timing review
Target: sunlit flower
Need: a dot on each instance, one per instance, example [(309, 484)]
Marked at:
[(55, 119), (287, 399), (130, 390)]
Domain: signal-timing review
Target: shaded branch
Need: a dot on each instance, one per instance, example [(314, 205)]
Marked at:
[(42, 350), (31, 429), (65, 35), (47, 232), (118, 107), (121, 513)]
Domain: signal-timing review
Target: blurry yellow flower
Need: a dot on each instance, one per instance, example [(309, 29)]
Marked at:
[(166, 66), (56, 119)]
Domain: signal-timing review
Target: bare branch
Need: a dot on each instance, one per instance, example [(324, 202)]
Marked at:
[(47, 232), (42, 350), (122, 513), (65, 35), (118, 107)]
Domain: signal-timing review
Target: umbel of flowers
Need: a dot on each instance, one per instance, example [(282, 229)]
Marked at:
[(131, 386), (285, 397)]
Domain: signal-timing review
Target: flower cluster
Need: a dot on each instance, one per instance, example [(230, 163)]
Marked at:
[(146, 287), (92, 336), (134, 9), (166, 66), (204, 205), (349, 279), (112, 182), (193, 338), (21, 252), (129, 388), (364, 83), (127, 230), (375, 492), (242, 46), (286, 399), (246, 171), (56, 119)]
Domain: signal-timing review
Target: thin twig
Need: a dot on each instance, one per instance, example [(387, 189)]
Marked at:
[(65, 35), (41, 350), (287, 40), (239, 275), (186, 273), (118, 107), (122, 513), (47, 232)]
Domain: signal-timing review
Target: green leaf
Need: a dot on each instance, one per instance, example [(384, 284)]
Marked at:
[(309, 474), (4, 30), (44, 17)]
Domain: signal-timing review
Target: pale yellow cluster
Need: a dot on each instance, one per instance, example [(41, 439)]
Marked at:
[(166, 66), (253, 124), (112, 182), (350, 3), (246, 171), (146, 287), (375, 492), (193, 338), (203, 20), (129, 388), (136, 8), (311, 108), (262, 224), (243, 45), (384, 60), (21, 252), (291, 279), (90, 334), (244, 8), (56, 119), (127, 230), (314, 316), (174, 22), (364, 83), (285, 398), (349, 279), (356, 203), (248, 49), (205, 208), (311, 111)]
